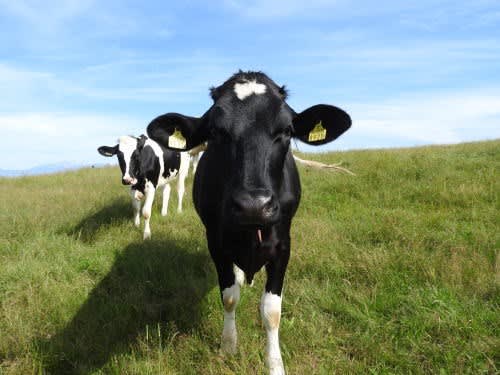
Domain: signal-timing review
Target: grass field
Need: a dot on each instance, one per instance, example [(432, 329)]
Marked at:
[(393, 271)]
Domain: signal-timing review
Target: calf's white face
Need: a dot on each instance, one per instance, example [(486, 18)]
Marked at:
[(127, 146), (127, 154)]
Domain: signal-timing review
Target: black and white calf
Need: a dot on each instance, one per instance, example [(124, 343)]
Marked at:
[(147, 166), (247, 188)]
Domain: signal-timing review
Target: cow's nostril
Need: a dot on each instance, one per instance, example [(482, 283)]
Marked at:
[(242, 203), (238, 205), (270, 207)]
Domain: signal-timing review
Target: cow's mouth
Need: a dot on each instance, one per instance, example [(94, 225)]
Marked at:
[(261, 234)]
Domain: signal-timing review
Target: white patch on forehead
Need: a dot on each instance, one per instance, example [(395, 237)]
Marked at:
[(244, 90), (127, 143)]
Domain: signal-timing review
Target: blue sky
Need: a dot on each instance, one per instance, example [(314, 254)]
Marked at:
[(76, 74)]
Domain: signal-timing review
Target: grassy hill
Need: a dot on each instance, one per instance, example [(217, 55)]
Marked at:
[(395, 270)]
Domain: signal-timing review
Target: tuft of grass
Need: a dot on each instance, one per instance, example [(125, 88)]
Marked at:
[(394, 270)]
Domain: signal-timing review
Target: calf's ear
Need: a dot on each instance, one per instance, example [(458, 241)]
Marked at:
[(141, 141), (108, 150), (178, 132), (320, 124)]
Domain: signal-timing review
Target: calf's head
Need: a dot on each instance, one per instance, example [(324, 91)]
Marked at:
[(248, 129), (128, 152)]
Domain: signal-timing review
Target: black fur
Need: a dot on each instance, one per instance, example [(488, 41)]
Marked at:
[(247, 179)]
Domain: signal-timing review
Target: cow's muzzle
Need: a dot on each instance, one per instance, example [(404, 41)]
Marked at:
[(129, 181), (256, 207)]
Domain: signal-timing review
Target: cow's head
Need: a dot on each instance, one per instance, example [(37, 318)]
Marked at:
[(249, 127), (127, 151)]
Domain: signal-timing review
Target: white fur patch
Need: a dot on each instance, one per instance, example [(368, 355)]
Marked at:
[(239, 275), (244, 90)]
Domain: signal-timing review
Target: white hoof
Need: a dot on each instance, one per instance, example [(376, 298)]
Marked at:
[(164, 213), (229, 343), (276, 367), (147, 236)]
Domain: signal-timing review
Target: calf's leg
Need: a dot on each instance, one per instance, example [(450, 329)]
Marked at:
[(146, 210), (136, 205)]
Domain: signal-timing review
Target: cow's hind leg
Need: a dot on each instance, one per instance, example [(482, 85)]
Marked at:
[(181, 179), (166, 197)]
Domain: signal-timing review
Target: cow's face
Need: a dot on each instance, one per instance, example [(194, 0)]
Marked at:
[(249, 128), (127, 152)]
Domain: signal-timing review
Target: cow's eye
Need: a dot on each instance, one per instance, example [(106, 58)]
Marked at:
[(287, 131), (283, 133)]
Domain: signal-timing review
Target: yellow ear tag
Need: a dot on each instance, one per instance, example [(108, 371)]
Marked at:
[(177, 140), (318, 133)]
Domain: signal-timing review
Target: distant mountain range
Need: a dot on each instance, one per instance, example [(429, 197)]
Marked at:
[(47, 168)]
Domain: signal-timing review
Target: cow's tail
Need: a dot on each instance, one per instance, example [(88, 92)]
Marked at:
[(317, 164)]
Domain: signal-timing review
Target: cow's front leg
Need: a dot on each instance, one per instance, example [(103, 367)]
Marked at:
[(270, 311), (136, 205), (166, 197), (230, 291), (146, 210)]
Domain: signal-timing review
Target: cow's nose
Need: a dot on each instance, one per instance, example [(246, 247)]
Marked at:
[(127, 180), (255, 207)]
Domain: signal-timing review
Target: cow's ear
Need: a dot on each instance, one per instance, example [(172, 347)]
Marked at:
[(320, 124), (141, 141), (108, 150), (178, 132)]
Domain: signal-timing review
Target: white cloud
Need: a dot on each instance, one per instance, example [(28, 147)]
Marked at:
[(443, 118), (171, 81), (42, 138)]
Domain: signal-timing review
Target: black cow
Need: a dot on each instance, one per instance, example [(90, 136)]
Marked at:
[(146, 166), (247, 188)]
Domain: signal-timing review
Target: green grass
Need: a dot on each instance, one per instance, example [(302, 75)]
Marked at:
[(393, 271)]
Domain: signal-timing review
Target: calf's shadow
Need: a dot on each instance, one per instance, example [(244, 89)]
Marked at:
[(153, 282), (118, 211)]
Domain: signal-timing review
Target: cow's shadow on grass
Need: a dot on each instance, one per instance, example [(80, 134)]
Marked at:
[(118, 211), (151, 283)]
